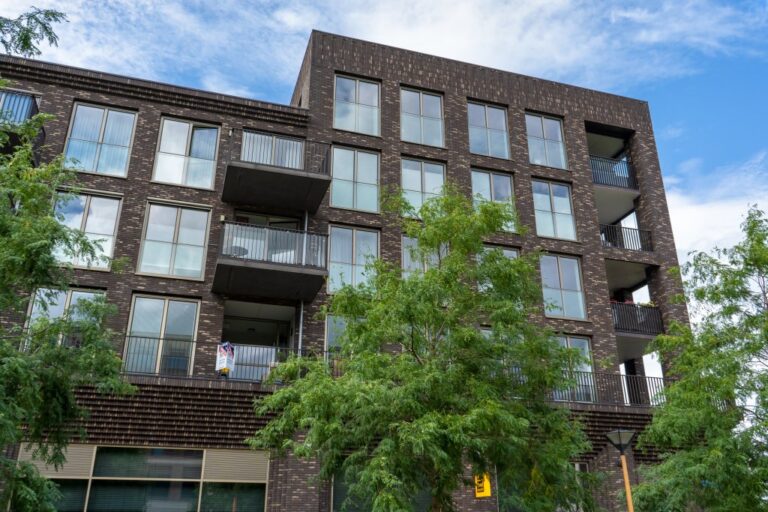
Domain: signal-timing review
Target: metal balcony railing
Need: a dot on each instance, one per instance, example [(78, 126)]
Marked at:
[(158, 356), (284, 152), (636, 318), (615, 173), (625, 238), (612, 389), (16, 107), (274, 245)]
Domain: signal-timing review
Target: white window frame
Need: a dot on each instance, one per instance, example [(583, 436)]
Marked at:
[(192, 125), (354, 181), (551, 212), (486, 106), (559, 257), (89, 195), (357, 103), (354, 263), (178, 206), (559, 120), (101, 137), (421, 116)]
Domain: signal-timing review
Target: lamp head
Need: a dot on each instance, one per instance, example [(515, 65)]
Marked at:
[(620, 438)]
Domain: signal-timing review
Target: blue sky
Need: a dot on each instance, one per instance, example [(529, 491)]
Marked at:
[(702, 66)]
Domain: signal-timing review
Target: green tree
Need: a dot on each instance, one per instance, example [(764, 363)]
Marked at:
[(418, 390), (44, 362), (713, 428)]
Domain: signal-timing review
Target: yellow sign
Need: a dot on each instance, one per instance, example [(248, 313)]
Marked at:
[(483, 486)]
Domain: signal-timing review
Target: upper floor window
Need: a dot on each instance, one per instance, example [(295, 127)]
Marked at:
[(95, 216), (174, 241), (413, 262), (335, 326), (351, 249), (186, 154), (421, 181), (100, 140), (421, 117), (563, 291), (488, 130), (554, 214), (268, 149), (492, 186), (580, 370), (59, 304), (355, 183), (507, 252), (545, 141), (356, 106)]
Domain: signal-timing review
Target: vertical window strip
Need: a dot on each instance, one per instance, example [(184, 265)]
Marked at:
[(100, 139), (355, 179), (545, 141), (186, 154), (268, 149), (356, 105), (186, 243), (486, 184), (424, 123)]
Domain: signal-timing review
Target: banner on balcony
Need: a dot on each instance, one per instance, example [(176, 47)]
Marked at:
[(483, 486), (225, 358)]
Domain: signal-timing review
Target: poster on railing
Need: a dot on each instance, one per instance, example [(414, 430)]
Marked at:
[(225, 358)]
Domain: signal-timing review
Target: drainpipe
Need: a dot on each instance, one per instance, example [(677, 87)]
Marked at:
[(301, 326), (304, 248)]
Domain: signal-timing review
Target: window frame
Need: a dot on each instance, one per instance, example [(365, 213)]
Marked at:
[(327, 349), (178, 206), (486, 128), (69, 291), (103, 125), (357, 103), (421, 162), (559, 120), (163, 327), (511, 176), (193, 124), (552, 211), (354, 263), (354, 181), (90, 194), (421, 116), (582, 291)]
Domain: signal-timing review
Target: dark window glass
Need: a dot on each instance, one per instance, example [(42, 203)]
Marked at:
[(138, 496), (72, 495), (148, 462), (224, 497)]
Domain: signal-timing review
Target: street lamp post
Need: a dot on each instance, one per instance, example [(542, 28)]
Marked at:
[(621, 439)]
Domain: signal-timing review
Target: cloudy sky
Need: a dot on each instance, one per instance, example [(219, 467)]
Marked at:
[(702, 66)]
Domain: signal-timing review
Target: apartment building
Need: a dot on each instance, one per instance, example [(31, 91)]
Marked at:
[(238, 217)]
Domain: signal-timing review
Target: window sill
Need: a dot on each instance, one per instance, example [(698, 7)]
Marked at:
[(545, 166), (356, 210), (182, 185), (357, 133), (167, 276), (93, 173), (573, 241), (502, 158)]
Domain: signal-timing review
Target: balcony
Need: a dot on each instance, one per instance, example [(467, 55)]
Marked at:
[(637, 319), (604, 388), (625, 238), (279, 174), (263, 262), (612, 172), (158, 356), (16, 107)]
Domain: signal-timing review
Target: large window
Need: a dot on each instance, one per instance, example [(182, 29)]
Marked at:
[(492, 186), (413, 262), (355, 182), (421, 117), (174, 241), (351, 249), (507, 252), (55, 305), (100, 140), (334, 329), (545, 141), (161, 336), (579, 370), (563, 291), (186, 154), (554, 213), (268, 149), (488, 130), (421, 181), (96, 217), (356, 106)]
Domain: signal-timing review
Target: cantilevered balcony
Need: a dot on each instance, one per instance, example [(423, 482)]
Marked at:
[(612, 172), (637, 319), (258, 261), (278, 173), (16, 107), (625, 238)]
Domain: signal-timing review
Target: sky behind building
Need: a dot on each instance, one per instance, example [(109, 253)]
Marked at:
[(702, 66)]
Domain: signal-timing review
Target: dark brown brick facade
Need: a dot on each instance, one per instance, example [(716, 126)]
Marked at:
[(195, 407)]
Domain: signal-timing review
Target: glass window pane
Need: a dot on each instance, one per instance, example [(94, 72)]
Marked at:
[(148, 462), (204, 142), (478, 140), (367, 197), (431, 105), (432, 131), (433, 178), (192, 227), (102, 215), (553, 302), (345, 89), (569, 268), (498, 144), (409, 101), (129, 496), (141, 354), (544, 224), (564, 226), (552, 130), (257, 147), (188, 261), (481, 184), (573, 304), (339, 275), (156, 257), (81, 154), (200, 172), (343, 164), (536, 151), (550, 277), (368, 93), (541, 200), (335, 326), (368, 120), (497, 118), (476, 114), (342, 194), (174, 137), (87, 123), (502, 188), (344, 115), (561, 198), (147, 317), (169, 168), (410, 262), (48, 304), (414, 198), (72, 495), (112, 160), (556, 154), (105, 245), (410, 128), (77, 302), (71, 208), (366, 246), (119, 128), (226, 497), (341, 244), (180, 321), (411, 175), (161, 223), (533, 126), (367, 167)]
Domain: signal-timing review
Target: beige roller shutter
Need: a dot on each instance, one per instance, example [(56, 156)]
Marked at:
[(236, 465), (78, 465)]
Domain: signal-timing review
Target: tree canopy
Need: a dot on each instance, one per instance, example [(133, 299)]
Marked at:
[(438, 373)]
